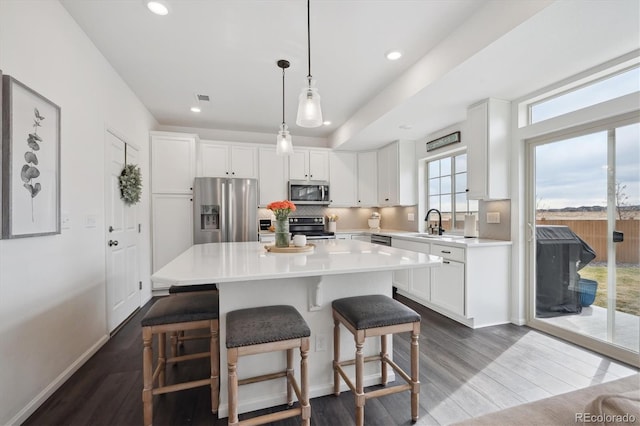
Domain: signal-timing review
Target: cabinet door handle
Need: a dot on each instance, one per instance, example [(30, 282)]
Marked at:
[(445, 251), (310, 175), (233, 173), (226, 173), (446, 262)]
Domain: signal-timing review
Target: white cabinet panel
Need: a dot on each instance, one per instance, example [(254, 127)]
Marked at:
[(367, 179), (397, 178), (342, 179), (272, 176), (447, 286), (172, 227), (309, 164), (488, 148), (222, 159), (173, 160)]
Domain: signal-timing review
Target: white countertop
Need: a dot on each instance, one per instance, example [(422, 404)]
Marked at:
[(247, 261), (446, 239)]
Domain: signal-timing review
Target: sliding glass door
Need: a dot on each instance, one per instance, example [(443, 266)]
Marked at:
[(584, 215)]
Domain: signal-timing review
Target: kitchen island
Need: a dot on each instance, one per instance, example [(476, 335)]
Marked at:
[(249, 276)]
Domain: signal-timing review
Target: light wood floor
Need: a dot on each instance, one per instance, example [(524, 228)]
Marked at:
[(464, 373)]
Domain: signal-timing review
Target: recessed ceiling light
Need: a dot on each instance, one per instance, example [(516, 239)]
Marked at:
[(158, 7), (326, 123), (393, 55), (195, 109)]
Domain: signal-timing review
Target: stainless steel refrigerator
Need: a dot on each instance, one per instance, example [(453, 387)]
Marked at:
[(225, 210)]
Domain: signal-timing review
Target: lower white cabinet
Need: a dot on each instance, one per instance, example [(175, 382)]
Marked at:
[(172, 227), (447, 286), (471, 286)]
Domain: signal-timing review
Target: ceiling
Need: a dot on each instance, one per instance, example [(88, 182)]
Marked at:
[(456, 52)]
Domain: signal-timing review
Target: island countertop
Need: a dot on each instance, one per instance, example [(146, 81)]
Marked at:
[(247, 261)]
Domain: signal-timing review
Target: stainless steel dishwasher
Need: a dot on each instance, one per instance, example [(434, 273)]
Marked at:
[(383, 240)]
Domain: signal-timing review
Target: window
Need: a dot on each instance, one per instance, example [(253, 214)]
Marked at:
[(447, 190), (596, 92)]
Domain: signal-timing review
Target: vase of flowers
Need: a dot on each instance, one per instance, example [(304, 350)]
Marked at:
[(281, 210)]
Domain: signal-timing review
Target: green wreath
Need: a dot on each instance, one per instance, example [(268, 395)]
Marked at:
[(130, 184)]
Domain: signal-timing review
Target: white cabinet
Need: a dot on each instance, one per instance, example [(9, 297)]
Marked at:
[(172, 222), (309, 164), (415, 281), (471, 286), (228, 160), (447, 286), (272, 178), (397, 174), (488, 150), (173, 160), (343, 187), (367, 179)]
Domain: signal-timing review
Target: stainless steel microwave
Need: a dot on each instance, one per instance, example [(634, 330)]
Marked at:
[(309, 192)]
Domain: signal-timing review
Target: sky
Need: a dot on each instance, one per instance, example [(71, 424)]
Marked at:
[(573, 172)]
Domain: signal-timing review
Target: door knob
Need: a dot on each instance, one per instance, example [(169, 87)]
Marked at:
[(112, 243)]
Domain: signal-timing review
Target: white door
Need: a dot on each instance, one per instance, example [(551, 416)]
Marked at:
[(122, 276)]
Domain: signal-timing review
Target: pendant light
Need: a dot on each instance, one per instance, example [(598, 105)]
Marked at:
[(283, 141), (309, 109)]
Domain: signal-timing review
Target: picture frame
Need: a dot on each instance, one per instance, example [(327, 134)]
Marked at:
[(30, 162)]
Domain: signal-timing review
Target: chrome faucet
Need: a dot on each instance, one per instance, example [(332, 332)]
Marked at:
[(440, 229)]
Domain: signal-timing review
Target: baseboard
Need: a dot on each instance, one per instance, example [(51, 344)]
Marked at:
[(35, 403)]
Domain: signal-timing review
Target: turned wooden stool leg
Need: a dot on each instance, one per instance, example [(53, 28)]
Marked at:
[(360, 398), (289, 375), (232, 360), (174, 345), (383, 356), (304, 382), (415, 378), (162, 357), (214, 349), (336, 356), (147, 376)]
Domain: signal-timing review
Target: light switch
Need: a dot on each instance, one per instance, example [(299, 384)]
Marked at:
[(493, 217)]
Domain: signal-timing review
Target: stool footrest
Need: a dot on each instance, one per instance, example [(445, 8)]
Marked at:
[(262, 378), (189, 357), (387, 391), (181, 386), (366, 359), (273, 417)]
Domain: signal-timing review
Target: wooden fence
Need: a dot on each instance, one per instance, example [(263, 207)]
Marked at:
[(594, 233)]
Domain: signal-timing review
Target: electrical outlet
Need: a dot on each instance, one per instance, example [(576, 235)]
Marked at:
[(65, 221), (411, 217), (493, 217), (321, 342)]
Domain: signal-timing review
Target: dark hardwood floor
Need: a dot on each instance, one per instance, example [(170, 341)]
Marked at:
[(463, 372)]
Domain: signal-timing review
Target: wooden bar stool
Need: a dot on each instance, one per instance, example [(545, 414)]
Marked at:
[(268, 329), (178, 337), (375, 315), (168, 315)]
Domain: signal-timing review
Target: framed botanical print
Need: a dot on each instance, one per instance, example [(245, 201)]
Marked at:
[(30, 162)]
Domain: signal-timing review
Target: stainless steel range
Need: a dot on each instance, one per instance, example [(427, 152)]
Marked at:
[(311, 226)]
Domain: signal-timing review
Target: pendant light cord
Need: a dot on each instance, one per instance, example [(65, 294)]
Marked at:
[(309, 40), (282, 95)]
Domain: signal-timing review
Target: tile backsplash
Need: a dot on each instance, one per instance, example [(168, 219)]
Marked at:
[(356, 218)]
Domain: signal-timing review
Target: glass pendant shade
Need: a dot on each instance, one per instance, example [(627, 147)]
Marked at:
[(309, 109), (283, 141)]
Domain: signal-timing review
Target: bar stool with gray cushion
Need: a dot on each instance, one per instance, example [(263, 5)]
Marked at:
[(375, 315), (167, 315), (178, 337), (268, 329)]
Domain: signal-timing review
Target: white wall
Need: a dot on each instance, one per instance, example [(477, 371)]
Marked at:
[(52, 289)]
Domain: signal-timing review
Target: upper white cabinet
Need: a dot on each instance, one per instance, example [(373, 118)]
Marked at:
[(343, 179), (488, 148), (272, 176), (173, 162), (309, 164), (367, 179), (397, 174), (228, 160)]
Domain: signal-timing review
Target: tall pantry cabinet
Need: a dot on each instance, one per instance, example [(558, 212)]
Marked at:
[(173, 168)]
